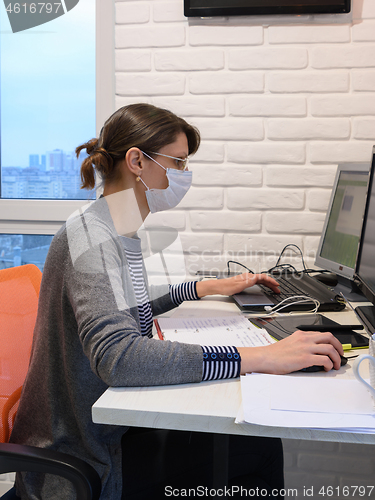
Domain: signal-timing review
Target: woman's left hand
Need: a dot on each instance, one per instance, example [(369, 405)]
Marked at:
[(235, 284)]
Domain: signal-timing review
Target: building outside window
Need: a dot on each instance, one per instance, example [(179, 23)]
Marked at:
[(49, 106)]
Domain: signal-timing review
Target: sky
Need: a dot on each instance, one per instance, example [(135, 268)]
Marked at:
[(47, 85)]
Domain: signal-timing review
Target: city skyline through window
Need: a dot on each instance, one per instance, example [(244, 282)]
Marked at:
[(47, 104), (48, 108)]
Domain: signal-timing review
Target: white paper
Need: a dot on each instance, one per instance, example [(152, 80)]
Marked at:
[(228, 330), (259, 402), (320, 394)]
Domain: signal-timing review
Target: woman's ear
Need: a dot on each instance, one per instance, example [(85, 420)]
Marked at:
[(133, 161)]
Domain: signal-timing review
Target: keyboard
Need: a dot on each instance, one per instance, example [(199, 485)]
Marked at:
[(287, 289)]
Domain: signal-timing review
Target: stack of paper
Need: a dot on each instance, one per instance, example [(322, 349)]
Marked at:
[(229, 330), (306, 402)]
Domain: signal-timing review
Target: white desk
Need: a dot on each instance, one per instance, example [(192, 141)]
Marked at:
[(208, 406)]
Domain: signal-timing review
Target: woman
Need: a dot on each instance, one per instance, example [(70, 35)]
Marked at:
[(94, 322)]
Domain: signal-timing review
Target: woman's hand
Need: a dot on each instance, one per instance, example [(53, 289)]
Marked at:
[(299, 350), (235, 284)]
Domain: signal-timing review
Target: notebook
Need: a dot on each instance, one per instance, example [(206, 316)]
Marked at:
[(224, 331)]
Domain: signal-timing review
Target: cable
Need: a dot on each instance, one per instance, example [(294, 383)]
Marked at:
[(282, 266), (291, 245), (239, 263), (305, 298)]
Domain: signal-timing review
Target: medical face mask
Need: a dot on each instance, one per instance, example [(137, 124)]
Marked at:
[(178, 185)]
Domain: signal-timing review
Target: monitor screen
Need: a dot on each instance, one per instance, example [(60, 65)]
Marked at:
[(339, 241), (365, 268), (208, 8)]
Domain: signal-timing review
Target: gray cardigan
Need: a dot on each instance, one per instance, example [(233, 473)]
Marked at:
[(87, 337)]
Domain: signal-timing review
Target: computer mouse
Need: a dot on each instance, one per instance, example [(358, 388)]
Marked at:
[(316, 368), (329, 279)]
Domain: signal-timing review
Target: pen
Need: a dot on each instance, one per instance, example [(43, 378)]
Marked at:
[(329, 328), (158, 329)]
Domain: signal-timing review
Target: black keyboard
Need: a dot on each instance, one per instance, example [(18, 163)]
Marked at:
[(287, 289)]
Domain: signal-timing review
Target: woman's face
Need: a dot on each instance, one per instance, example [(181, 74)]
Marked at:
[(153, 175)]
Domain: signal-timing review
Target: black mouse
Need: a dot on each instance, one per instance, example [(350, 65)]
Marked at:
[(316, 368), (329, 279)]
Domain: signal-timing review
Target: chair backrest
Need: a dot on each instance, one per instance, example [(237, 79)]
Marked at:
[(19, 293)]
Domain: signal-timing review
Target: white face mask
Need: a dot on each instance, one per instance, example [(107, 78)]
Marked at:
[(178, 185)]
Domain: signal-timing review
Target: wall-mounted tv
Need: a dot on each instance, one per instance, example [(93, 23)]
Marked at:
[(210, 8)]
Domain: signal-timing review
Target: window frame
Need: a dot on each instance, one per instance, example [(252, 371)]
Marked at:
[(25, 216)]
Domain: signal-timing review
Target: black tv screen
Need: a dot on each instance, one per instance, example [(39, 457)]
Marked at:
[(210, 8)]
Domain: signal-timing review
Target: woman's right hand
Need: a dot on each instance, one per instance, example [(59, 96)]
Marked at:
[(299, 350)]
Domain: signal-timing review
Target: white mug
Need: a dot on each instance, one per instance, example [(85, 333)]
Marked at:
[(356, 364)]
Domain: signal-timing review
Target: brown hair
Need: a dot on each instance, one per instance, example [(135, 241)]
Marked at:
[(138, 125)]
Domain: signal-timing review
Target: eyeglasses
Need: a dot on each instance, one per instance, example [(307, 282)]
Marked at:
[(181, 163)]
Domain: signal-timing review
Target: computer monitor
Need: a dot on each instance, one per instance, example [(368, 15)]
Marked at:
[(365, 266), (338, 246)]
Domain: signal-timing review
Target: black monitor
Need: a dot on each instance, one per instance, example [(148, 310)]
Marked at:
[(365, 266), (210, 8)]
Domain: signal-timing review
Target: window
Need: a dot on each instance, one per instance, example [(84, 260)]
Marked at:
[(19, 249), (56, 90)]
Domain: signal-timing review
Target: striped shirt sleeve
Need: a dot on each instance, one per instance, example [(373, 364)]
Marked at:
[(220, 362), (183, 291)]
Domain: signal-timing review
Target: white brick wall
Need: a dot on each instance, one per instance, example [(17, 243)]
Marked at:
[(268, 105), (309, 34), (278, 107)]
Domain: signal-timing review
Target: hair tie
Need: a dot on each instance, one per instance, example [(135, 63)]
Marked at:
[(104, 152)]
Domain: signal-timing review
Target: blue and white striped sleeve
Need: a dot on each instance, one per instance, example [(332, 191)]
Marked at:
[(220, 362), (183, 291)]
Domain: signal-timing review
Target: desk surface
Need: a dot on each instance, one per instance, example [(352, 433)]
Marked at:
[(208, 406)]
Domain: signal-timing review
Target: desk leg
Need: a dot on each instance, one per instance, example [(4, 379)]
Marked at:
[(220, 460)]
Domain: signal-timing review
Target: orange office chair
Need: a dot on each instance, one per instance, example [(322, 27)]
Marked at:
[(19, 292)]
